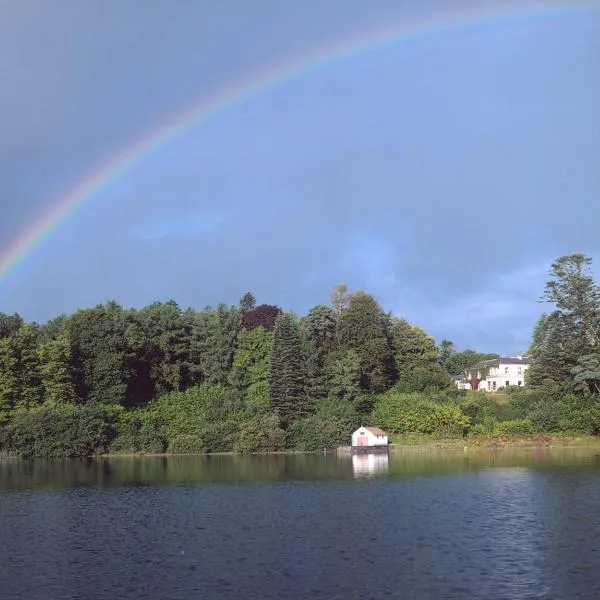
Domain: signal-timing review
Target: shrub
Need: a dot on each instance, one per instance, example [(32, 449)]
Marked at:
[(516, 427), (419, 413), (260, 434), (59, 432), (187, 444)]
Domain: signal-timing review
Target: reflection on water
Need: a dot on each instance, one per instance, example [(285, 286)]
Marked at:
[(445, 523), (191, 470), (369, 465)]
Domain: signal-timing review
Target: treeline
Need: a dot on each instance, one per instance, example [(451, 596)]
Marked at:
[(251, 377)]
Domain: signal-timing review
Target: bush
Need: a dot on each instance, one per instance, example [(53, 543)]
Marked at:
[(516, 427), (59, 432), (419, 413), (149, 441), (187, 444), (331, 426), (260, 434)]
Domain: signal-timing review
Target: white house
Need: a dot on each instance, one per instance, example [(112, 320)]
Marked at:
[(491, 375), (367, 437)]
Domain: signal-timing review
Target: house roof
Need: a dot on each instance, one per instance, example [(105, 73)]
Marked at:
[(503, 360), (375, 430)]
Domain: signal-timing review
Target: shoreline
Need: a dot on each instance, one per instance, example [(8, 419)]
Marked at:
[(401, 444)]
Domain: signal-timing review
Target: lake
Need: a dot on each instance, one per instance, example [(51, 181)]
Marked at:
[(425, 523)]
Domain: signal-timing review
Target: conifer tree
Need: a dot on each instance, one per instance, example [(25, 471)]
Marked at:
[(287, 371)]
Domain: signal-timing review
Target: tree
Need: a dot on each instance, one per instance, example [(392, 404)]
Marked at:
[(569, 334), (9, 378), (57, 382), (457, 362), (339, 298), (416, 359), (263, 315), (586, 374), (168, 350), (214, 336), (362, 327), (9, 324), (99, 353), (446, 350), (287, 372), (250, 373), (318, 334), (247, 302), (28, 366)]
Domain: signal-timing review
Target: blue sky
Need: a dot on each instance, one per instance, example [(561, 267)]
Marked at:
[(442, 173)]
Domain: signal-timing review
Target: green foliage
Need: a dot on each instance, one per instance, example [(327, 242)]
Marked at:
[(249, 376), (251, 379), (59, 432), (458, 362), (260, 434), (187, 444), (189, 412), (330, 426), (344, 374), (55, 372), (213, 341), (362, 327), (287, 371), (566, 341), (399, 413), (317, 331)]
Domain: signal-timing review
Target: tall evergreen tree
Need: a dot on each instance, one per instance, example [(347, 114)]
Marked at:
[(287, 371)]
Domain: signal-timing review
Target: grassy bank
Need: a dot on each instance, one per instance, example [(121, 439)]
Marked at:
[(541, 439)]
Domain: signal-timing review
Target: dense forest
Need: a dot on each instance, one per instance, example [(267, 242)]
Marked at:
[(253, 378)]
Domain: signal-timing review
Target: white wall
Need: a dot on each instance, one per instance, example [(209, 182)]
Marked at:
[(372, 440)]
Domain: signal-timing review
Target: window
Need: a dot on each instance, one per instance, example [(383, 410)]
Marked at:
[(519, 382), (494, 385), (519, 370), (505, 370), (508, 383), (489, 385)]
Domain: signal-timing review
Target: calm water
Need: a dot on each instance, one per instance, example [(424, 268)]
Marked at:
[(505, 524)]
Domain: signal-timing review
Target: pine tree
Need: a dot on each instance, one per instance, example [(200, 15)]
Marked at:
[(287, 372)]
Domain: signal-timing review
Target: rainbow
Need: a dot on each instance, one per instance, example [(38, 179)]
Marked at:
[(30, 238)]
